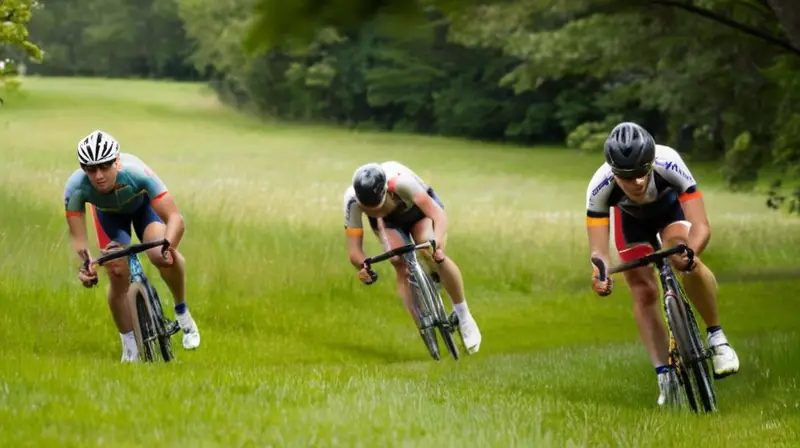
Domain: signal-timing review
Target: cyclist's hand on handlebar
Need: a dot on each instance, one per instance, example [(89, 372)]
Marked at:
[(87, 274), (602, 288), (86, 277), (366, 275), (168, 254), (438, 252), (683, 261)]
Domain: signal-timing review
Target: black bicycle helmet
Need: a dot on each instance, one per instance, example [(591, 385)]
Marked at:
[(630, 150), (369, 182)]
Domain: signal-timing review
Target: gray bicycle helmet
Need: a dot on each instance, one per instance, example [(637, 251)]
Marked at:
[(369, 182), (630, 150)]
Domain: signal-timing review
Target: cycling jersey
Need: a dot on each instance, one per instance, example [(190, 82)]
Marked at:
[(402, 185), (136, 182), (127, 205), (670, 181)]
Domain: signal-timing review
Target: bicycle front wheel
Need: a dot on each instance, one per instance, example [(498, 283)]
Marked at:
[(443, 322), (426, 314), (143, 324), (691, 354), (160, 322)]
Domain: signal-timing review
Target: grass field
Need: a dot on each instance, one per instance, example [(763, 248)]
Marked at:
[(297, 352)]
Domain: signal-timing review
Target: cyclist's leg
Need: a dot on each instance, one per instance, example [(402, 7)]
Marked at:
[(392, 238), (451, 278), (116, 228), (630, 237), (149, 226), (701, 287)]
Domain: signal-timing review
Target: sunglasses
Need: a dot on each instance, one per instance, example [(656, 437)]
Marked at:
[(94, 168), (633, 173)]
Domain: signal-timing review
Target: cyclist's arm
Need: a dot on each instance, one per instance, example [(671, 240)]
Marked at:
[(77, 231), (354, 231), (437, 215), (597, 229), (695, 211), (75, 207), (598, 213), (355, 248), (408, 187), (674, 170), (163, 204)]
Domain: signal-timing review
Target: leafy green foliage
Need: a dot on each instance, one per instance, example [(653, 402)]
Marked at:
[(717, 79), (14, 18)]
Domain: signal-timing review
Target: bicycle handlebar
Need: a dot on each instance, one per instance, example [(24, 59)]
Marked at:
[(398, 251), (639, 262), (130, 250), (389, 254)]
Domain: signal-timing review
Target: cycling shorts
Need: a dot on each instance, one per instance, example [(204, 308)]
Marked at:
[(406, 220), (117, 226), (630, 232)]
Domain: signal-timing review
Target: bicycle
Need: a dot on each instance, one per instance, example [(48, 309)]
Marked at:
[(687, 351), (429, 307), (150, 324)]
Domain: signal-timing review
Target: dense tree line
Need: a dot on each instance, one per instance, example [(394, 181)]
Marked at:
[(719, 79)]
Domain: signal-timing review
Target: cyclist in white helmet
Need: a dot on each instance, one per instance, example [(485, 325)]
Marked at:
[(123, 192), (393, 193)]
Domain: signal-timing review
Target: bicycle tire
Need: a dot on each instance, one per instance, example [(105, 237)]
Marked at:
[(442, 319), (691, 353), (702, 371), (161, 322), (143, 327), (424, 311)]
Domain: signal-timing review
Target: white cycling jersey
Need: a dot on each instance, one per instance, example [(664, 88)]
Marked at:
[(670, 180), (402, 185)]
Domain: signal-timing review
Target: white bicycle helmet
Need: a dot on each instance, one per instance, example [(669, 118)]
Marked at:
[(97, 148)]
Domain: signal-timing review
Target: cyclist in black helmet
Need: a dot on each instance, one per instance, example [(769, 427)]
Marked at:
[(652, 193), (392, 193)]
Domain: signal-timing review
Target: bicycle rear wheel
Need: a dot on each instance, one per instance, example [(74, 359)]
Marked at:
[(692, 357)]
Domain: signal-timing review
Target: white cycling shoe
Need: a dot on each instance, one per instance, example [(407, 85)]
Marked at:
[(470, 334), (191, 335), (725, 360)]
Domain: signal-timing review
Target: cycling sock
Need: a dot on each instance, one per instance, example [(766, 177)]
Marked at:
[(128, 339), (662, 369), (180, 308), (462, 311), (716, 336)]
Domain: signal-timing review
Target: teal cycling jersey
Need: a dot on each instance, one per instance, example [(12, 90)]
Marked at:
[(136, 183)]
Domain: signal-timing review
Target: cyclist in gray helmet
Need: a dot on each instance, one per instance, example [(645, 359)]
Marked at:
[(392, 193), (653, 193)]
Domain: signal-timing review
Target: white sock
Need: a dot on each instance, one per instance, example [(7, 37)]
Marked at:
[(129, 342), (462, 311), (717, 338), (184, 320)]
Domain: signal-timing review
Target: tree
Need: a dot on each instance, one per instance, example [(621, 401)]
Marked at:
[(15, 15)]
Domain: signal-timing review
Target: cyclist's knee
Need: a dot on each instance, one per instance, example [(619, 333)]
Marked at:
[(400, 267), (644, 288)]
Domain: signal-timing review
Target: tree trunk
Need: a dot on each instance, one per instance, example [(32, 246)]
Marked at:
[(788, 13)]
